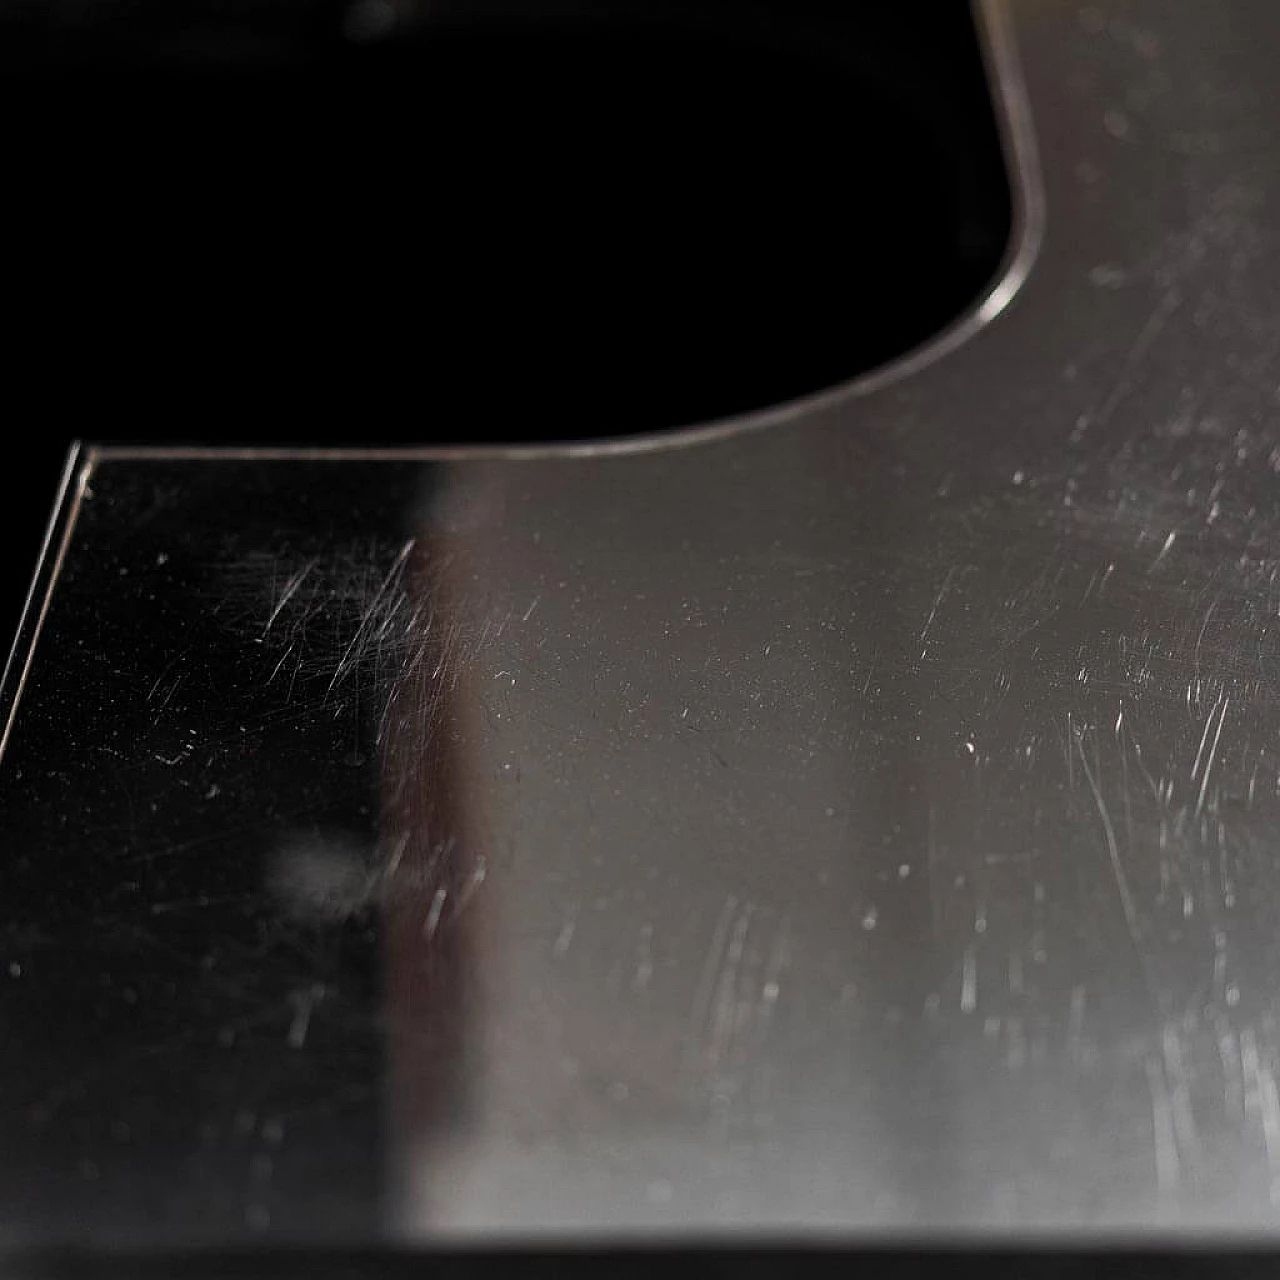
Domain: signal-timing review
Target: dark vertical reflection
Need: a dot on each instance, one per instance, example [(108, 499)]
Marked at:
[(713, 987), (189, 897), (435, 871)]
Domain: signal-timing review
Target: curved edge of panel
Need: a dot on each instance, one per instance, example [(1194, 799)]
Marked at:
[(1017, 140)]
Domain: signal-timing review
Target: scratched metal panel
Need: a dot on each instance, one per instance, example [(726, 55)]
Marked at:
[(862, 820)]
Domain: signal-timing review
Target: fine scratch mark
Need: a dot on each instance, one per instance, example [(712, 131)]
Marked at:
[(1159, 317), (1208, 768), (276, 670), (1165, 549), (431, 923), (392, 576), (168, 697), (168, 666), (1200, 638), (942, 591), (396, 856), (1204, 737), (290, 589), (304, 1002), (1113, 850)]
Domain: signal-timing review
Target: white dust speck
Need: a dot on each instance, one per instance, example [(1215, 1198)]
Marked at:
[(1116, 123), (320, 878)]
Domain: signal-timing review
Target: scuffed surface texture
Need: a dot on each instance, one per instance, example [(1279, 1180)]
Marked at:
[(865, 822)]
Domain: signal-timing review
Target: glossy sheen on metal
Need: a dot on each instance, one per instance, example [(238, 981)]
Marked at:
[(860, 820)]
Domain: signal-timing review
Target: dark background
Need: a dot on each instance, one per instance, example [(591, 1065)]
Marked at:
[(291, 222)]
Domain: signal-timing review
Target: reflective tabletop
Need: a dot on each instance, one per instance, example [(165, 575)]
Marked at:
[(854, 820)]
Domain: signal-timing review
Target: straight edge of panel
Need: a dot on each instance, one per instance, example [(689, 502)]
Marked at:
[(53, 551)]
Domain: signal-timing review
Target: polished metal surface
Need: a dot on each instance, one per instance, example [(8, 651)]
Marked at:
[(859, 820)]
